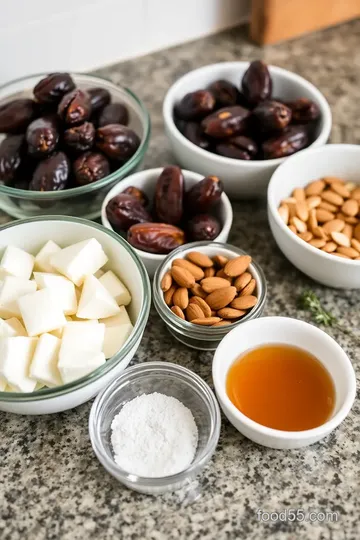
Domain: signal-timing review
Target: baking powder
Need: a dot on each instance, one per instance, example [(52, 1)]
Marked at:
[(154, 435)]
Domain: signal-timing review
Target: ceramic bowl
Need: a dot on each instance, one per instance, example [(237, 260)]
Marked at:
[(293, 332), (242, 179), (342, 160), (31, 235), (146, 181)]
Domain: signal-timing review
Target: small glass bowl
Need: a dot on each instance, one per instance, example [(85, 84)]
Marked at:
[(82, 201), (205, 338), (171, 380)]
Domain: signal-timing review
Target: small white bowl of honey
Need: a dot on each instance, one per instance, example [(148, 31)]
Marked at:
[(283, 383)]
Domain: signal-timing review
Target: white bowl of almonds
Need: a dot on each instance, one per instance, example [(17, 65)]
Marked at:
[(74, 301), (314, 213)]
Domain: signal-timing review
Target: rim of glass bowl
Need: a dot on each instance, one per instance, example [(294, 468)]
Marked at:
[(94, 186), (187, 376), (46, 393), (193, 330)]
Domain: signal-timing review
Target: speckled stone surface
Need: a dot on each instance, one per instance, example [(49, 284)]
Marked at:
[(51, 485)]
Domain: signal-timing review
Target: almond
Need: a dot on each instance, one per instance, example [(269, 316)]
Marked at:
[(221, 297), (200, 259), (351, 220), (299, 194), (181, 298), (350, 186), (241, 281), (341, 239), (195, 270), (202, 304), (293, 229), (193, 311), (312, 219), (313, 201), (300, 226), (284, 213), (237, 266), (318, 242), (327, 206), (179, 312), (244, 302), (292, 210), (289, 200), (336, 225), (355, 244), (182, 277), (249, 289), (213, 313), (222, 323), (331, 179), (306, 236), (350, 208), (349, 251), (348, 230), (315, 188), (357, 232), (323, 215), (220, 260), (209, 272), (332, 198), (231, 313), (341, 255), (197, 290), (212, 283), (166, 282), (355, 194), (302, 210), (210, 321), (320, 233), (329, 247), (168, 295), (341, 189), (221, 273)]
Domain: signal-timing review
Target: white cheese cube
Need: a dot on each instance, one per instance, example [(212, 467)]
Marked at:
[(121, 318), (15, 357), (99, 273), (59, 331), (12, 328), (82, 336), (80, 365), (115, 337), (44, 367), (3, 384), (41, 312), (12, 289), (95, 301), (79, 260), (17, 262), (63, 288), (116, 288), (42, 259)]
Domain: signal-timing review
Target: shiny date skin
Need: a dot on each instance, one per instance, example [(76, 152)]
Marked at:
[(117, 142), (138, 194), (125, 210), (169, 195), (203, 227), (51, 174), (195, 105), (11, 150), (75, 107), (303, 111), (52, 88), (271, 116), (239, 147), (293, 139), (90, 167), (225, 93), (99, 98), (194, 133), (80, 138), (158, 238), (204, 195), (42, 136), (115, 113), (256, 83), (226, 122), (16, 115)]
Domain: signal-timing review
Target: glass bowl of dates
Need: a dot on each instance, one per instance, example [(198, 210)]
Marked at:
[(158, 210), (204, 289), (65, 141), (240, 120)]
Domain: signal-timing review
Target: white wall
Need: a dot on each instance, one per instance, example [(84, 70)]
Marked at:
[(80, 35)]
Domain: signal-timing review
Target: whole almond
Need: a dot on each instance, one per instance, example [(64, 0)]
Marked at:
[(249, 289), (355, 244), (302, 210), (341, 255), (212, 283), (197, 290), (241, 281), (349, 251), (350, 207), (324, 215), (332, 198), (355, 194), (182, 277), (336, 225), (357, 232), (210, 321), (318, 242), (330, 179), (299, 194), (348, 230), (315, 188), (168, 295), (327, 206), (195, 270), (284, 213), (341, 189), (341, 239), (320, 233), (306, 236), (221, 297), (221, 273), (181, 298), (220, 260), (300, 225), (179, 312), (329, 247), (292, 210), (193, 311), (222, 323), (312, 219), (237, 266), (313, 201), (209, 272), (352, 220), (200, 259), (244, 302), (289, 200), (202, 304), (231, 313), (166, 282)]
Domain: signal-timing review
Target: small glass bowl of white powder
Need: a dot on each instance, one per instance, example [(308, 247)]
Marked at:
[(155, 427)]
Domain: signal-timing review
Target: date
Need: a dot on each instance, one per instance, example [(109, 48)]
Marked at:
[(42, 136), (293, 139), (80, 138), (11, 150), (75, 107), (204, 195), (158, 238), (225, 93), (272, 116), (125, 210), (138, 194), (53, 88), (16, 115), (51, 174), (256, 83), (90, 167), (195, 105), (226, 122), (203, 227), (115, 113), (117, 142), (99, 98), (303, 111), (169, 195), (194, 133)]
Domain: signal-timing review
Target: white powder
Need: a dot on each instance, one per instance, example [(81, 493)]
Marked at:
[(154, 436)]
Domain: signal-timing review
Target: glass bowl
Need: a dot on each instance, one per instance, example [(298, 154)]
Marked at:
[(171, 380), (205, 338), (83, 201)]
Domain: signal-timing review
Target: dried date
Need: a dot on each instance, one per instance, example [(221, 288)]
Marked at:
[(99, 98), (16, 115), (239, 147), (138, 194), (42, 136), (11, 149), (194, 133), (52, 88), (75, 107), (203, 227), (226, 122), (257, 83), (80, 138), (117, 142), (293, 139), (90, 167), (303, 111), (124, 210), (225, 93), (115, 113), (271, 116), (195, 105), (158, 238), (51, 174), (204, 195), (169, 195)]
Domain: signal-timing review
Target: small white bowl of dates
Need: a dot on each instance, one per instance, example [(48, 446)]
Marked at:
[(158, 210), (240, 120), (65, 140)]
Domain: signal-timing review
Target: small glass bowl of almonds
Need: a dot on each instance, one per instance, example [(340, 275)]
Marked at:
[(202, 290)]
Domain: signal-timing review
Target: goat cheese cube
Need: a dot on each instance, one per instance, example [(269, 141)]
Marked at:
[(63, 288), (17, 262), (41, 312), (42, 259), (44, 367), (12, 289), (95, 301), (79, 260), (12, 328), (116, 288), (115, 337), (80, 365), (15, 357), (121, 318)]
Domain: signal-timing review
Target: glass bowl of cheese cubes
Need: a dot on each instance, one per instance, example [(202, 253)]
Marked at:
[(74, 302)]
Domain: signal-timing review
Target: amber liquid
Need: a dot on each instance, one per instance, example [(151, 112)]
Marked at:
[(281, 387)]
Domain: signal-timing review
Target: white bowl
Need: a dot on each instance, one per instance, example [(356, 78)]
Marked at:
[(288, 331), (242, 179), (146, 181), (31, 235), (342, 160)]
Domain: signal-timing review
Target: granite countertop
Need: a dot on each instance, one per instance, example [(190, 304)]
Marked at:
[(52, 486)]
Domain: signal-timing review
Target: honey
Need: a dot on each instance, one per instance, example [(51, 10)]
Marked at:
[(281, 387)]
